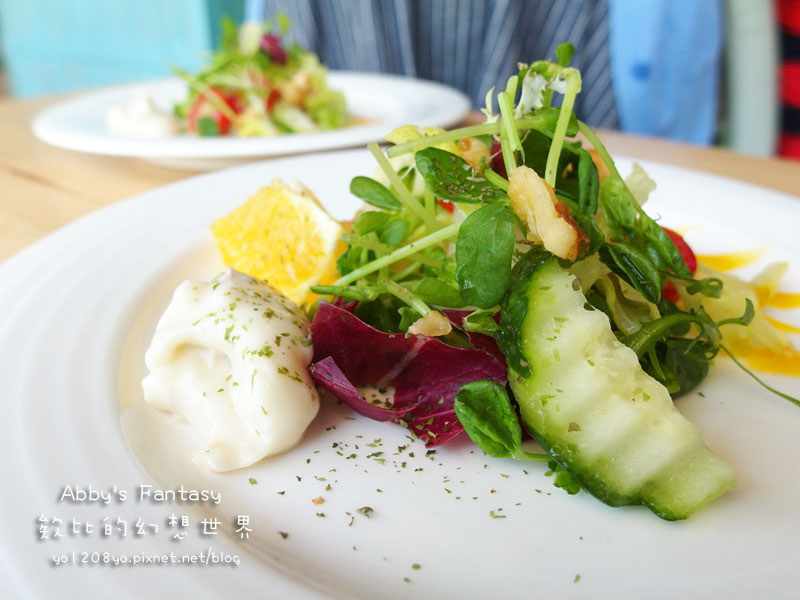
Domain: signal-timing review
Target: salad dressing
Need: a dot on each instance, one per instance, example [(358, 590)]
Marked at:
[(784, 300), (731, 260), (765, 360), (784, 327)]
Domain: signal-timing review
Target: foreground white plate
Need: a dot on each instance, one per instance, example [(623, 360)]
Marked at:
[(81, 305), (385, 101)]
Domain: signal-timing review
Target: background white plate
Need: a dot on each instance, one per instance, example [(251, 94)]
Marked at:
[(385, 101), (79, 308)]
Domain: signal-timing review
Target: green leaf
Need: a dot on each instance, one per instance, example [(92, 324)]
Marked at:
[(548, 117), (371, 220), (624, 219), (381, 313), (407, 317), (435, 291), (588, 184), (374, 193), (283, 22), (587, 224), (481, 321), (564, 478), (564, 53), (451, 178), (687, 367), (745, 319), (394, 232), (536, 146), (207, 127), (618, 211), (657, 239), (349, 260), (635, 267), (485, 411), (229, 40), (484, 249), (708, 286)]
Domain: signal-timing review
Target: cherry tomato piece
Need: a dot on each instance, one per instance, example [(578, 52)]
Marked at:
[(670, 292), (203, 108), (448, 206)]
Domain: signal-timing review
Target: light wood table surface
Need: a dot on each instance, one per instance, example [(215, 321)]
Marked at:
[(43, 188)]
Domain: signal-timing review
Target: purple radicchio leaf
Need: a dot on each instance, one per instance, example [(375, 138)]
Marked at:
[(424, 373)]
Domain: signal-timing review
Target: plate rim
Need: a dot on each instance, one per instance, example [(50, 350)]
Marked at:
[(454, 106), (17, 261)]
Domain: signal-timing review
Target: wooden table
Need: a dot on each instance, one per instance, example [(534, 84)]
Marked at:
[(43, 188)]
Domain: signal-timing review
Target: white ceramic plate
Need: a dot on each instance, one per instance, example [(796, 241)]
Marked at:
[(384, 101), (81, 305)]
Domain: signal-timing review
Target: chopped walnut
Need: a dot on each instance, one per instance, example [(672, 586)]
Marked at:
[(433, 324), (296, 88), (548, 219)]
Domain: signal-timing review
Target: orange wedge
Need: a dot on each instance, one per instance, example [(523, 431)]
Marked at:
[(282, 235)]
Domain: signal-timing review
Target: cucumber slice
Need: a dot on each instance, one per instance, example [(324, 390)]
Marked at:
[(293, 119), (590, 404)]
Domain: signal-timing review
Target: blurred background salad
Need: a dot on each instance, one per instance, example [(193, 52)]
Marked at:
[(705, 71), (256, 84)]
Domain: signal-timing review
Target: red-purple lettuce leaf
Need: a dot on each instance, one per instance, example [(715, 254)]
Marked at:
[(424, 372), (479, 340)]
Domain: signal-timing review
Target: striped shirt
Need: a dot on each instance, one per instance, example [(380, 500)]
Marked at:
[(789, 20), (471, 45)]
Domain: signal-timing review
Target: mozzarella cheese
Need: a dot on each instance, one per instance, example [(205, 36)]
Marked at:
[(230, 357), (140, 118)]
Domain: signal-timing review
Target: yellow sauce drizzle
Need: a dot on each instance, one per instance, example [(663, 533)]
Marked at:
[(761, 358), (734, 260), (784, 327), (784, 300), (765, 360), (682, 231)]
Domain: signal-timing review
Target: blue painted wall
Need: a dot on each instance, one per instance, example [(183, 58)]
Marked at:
[(52, 46)]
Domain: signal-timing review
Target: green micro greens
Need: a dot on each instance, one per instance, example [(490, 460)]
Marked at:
[(442, 233)]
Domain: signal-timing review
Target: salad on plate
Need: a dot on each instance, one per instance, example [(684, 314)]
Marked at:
[(502, 280), (255, 84)]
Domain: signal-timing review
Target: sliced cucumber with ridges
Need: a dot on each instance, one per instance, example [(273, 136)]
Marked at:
[(590, 404)]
